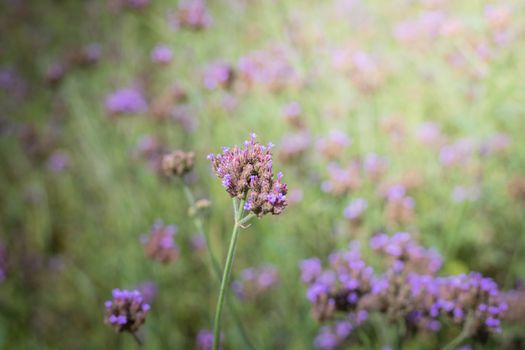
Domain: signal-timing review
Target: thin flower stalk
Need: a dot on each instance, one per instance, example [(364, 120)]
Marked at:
[(239, 221), (197, 221)]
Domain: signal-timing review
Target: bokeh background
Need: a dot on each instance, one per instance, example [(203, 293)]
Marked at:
[(415, 108)]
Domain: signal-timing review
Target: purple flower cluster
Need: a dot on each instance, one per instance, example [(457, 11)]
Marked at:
[(365, 70), (375, 166), (294, 145), (191, 14), (218, 74), (469, 300), (457, 153), (333, 145), (161, 54), (150, 150), (429, 133), (126, 311), (409, 290), (402, 252), (342, 180), (58, 161), (292, 113), (205, 340), (247, 173), (399, 205), (269, 68), (255, 281), (348, 178), (160, 245), (126, 101), (428, 25), (339, 288)]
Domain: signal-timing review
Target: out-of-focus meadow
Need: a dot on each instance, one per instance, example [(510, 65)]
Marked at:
[(387, 116)]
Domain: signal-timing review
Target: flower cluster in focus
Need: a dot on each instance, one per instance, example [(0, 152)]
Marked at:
[(247, 173)]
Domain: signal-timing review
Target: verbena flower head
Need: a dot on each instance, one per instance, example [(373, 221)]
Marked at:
[(205, 340), (292, 114), (177, 163), (58, 161), (161, 54), (3, 263), (342, 180), (333, 145), (126, 101), (255, 281), (408, 291), (247, 173), (160, 244), (191, 14), (126, 311), (218, 74), (355, 209), (374, 166), (294, 146), (401, 251)]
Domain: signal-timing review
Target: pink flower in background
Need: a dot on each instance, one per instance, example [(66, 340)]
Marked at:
[(161, 54), (218, 75), (333, 145)]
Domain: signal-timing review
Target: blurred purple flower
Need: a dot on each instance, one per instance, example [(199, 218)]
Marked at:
[(161, 54), (218, 74), (205, 340), (58, 161), (355, 209), (126, 101), (255, 281)]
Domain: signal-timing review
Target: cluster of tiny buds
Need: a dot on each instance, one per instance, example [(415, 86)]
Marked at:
[(159, 245), (247, 173), (126, 311), (178, 163)]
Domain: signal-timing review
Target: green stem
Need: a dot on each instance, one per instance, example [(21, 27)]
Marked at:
[(137, 339), (456, 341), (246, 219), (226, 278), (400, 335), (197, 221)]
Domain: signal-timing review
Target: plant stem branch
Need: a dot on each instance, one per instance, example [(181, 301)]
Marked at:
[(456, 341), (137, 339)]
